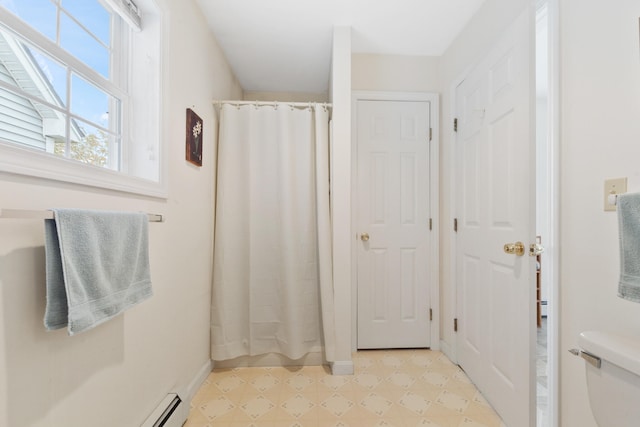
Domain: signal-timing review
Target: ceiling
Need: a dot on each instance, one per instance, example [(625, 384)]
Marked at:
[(285, 45)]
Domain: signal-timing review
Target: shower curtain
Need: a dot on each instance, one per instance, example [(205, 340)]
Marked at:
[(272, 279)]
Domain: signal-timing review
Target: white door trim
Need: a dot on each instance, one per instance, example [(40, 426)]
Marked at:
[(451, 349), (553, 331), (434, 275)]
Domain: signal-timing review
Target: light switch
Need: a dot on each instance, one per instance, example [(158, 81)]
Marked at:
[(611, 187)]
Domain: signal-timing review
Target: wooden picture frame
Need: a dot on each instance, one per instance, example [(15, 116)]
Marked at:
[(194, 138)]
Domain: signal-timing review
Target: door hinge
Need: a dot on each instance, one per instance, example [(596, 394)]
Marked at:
[(455, 224), (430, 224), (430, 134), (455, 124), (455, 325), (430, 315)]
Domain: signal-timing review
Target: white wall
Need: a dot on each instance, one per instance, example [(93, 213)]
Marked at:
[(340, 92), (285, 96), (116, 374), (600, 139), (394, 73), (489, 22)]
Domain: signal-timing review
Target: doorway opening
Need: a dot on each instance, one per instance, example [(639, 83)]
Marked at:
[(546, 217)]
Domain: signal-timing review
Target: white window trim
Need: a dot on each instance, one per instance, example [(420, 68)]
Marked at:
[(128, 11)]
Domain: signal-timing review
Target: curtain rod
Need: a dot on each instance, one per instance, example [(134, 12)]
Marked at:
[(276, 103), (33, 214)]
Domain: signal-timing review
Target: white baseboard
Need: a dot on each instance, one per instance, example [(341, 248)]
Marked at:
[(176, 417), (448, 351), (314, 358), (186, 395), (342, 367), (197, 381)]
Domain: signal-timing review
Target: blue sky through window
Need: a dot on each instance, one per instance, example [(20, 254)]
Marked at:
[(40, 14), (80, 44), (85, 97), (91, 11), (54, 72)]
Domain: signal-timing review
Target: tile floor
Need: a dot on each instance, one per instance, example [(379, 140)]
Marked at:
[(402, 388), (542, 371)]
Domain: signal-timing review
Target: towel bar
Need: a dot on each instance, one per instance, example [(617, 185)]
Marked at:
[(33, 214)]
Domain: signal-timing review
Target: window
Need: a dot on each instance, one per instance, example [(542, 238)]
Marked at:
[(69, 76)]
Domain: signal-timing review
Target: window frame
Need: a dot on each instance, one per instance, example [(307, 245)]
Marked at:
[(15, 159)]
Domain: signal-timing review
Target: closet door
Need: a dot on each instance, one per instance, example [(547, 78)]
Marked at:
[(393, 224)]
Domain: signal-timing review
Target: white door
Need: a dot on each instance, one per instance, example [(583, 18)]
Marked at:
[(495, 204), (393, 223)]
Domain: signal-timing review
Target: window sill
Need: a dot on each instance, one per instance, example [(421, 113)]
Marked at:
[(21, 161)]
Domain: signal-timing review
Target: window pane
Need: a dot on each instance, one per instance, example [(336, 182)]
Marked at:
[(54, 125), (90, 102), (40, 14), (29, 123), (92, 15), (80, 44), (49, 78), (7, 45), (94, 146), (31, 70)]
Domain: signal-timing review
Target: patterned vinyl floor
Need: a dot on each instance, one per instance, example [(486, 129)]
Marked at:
[(401, 388)]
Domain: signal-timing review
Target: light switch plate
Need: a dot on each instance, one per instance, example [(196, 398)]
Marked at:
[(613, 186)]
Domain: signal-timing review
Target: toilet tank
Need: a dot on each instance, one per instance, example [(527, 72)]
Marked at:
[(614, 387)]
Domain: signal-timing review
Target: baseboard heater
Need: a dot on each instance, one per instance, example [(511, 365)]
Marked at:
[(171, 412)]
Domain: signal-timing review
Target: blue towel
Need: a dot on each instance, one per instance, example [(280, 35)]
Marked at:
[(97, 265), (629, 229)]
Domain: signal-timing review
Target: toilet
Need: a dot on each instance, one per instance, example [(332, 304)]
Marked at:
[(612, 364)]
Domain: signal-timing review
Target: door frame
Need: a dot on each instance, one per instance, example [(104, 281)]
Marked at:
[(434, 205), (451, 349), (553, 133)]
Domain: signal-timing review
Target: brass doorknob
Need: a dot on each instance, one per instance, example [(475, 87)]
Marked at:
[(516, 248), (364, 237)]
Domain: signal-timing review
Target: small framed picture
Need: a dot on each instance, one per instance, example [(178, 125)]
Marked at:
[(194, 138)]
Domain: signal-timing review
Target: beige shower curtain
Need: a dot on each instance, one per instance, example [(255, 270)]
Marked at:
[(273, 286)]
